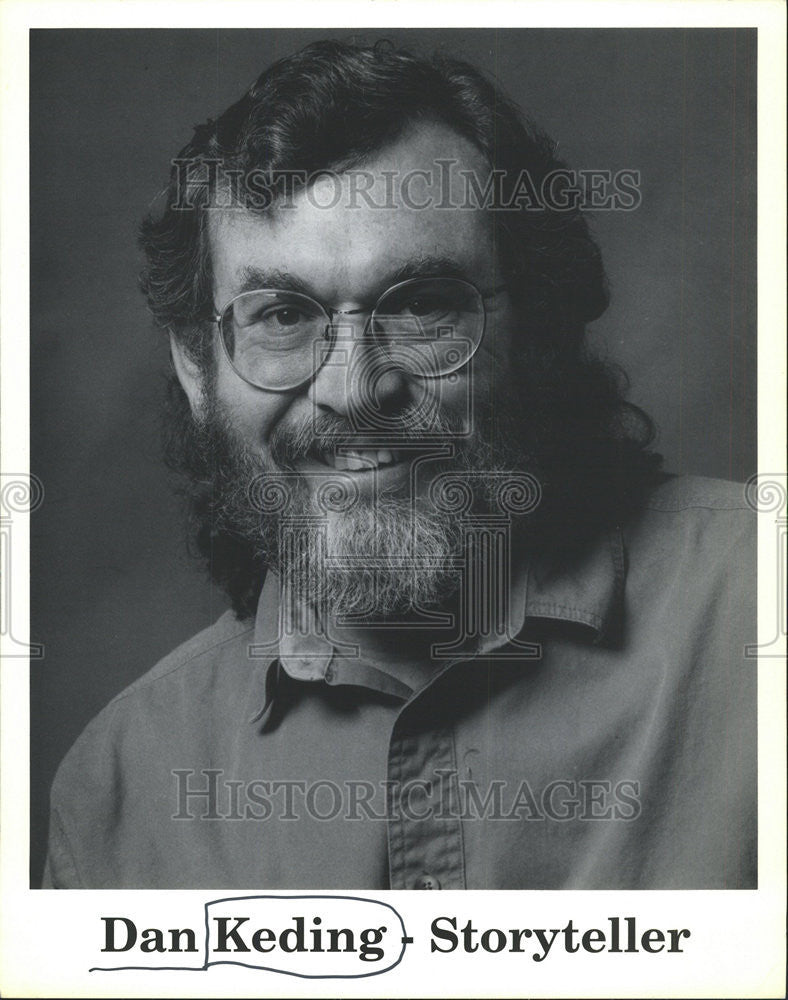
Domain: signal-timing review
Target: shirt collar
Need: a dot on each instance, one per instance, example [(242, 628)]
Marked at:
[(583, 587), (265, 645)]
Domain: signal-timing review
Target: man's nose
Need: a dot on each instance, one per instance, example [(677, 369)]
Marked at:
[(357, 378)]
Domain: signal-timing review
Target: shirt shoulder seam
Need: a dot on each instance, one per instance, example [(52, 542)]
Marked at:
[(681, 493), (181, 661)]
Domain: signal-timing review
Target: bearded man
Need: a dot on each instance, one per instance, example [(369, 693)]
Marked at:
[(477, 638)]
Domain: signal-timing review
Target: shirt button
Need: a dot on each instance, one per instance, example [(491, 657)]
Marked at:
[(426, 882)]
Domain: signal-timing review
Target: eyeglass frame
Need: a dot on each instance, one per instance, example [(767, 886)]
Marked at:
[(330, 313)]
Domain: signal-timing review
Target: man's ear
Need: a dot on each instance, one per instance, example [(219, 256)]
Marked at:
[(189, 375)]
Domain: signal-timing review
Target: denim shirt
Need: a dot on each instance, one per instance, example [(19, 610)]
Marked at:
[(607, 740)]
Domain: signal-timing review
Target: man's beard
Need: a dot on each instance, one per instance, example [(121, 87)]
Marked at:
[(380, 556)]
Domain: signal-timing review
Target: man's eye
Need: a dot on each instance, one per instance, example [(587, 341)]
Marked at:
[(425, 306), (284, 316)]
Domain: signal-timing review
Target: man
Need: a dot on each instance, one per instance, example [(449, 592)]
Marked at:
[(478, 640)]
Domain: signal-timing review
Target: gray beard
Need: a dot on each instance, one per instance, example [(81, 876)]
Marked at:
[(378, 557), (377, 560)]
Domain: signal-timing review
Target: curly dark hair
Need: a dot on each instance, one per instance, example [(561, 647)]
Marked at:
[(329, 107)]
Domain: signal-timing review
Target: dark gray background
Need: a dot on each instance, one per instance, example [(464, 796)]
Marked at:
[(113, 587)]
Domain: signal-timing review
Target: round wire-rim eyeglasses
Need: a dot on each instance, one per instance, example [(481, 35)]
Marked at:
[(432, 344)]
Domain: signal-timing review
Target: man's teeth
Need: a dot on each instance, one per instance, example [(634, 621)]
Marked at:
[(355, 461)]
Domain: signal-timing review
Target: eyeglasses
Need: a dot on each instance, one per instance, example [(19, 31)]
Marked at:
[(278, 340)]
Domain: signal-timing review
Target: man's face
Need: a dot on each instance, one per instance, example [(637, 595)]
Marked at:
[(345, 257)]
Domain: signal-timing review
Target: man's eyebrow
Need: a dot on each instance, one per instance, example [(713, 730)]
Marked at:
[(252, 278), (421, 266), (428, 266)]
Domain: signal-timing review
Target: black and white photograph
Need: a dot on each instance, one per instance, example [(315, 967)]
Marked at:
[(394, 488)]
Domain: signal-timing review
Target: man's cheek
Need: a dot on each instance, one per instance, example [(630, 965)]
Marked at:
[(453, 403), (252, 413)]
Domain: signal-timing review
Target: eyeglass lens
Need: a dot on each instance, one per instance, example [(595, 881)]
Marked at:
[(429, 326)]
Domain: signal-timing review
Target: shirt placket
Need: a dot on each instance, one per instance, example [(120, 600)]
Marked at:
[(424, 826)]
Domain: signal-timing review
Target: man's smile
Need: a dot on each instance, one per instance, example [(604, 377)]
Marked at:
[(361, 459), (362, 463)]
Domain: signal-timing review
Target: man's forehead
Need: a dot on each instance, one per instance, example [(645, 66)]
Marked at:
[(405, 202), (427, 145)]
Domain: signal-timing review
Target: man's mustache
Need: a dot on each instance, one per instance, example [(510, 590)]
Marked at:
[(321, 434)]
